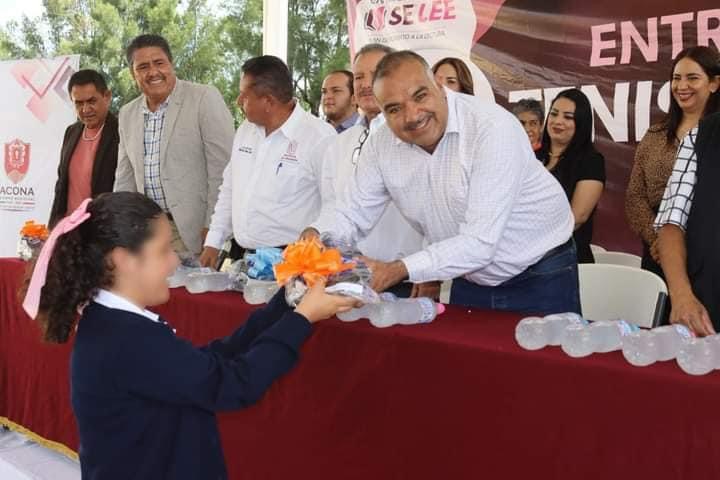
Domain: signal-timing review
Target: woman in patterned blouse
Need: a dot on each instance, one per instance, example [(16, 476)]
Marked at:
[(693, 96)]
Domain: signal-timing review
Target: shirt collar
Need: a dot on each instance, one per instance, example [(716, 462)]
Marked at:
[(292, 128), (453, 126), (112, 300), (350, 122)]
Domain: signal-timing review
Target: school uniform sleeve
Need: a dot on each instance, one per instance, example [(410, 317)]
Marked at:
[(260, 320), (160, 366)]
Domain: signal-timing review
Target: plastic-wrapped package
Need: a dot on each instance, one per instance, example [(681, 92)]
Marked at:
[(306, 261), (32, 238), (260, 264), (180, 277)]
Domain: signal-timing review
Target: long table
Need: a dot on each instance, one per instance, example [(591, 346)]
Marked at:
[(454, 399)]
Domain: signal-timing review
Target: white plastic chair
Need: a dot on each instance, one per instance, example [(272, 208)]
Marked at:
[(597, 249), (614, 292), (618, 258)]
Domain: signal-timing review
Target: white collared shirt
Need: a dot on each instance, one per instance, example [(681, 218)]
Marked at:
[(271, 187), (487, 207), (393, 237), (109, 299)]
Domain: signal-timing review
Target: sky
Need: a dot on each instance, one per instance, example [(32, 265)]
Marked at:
[(13, 9)]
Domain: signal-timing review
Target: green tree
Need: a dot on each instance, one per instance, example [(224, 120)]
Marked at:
[(317, 45)]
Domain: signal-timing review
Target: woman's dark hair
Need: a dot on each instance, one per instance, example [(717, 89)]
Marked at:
[(581, 144), (79, 265), (709, 60), (463, 73)]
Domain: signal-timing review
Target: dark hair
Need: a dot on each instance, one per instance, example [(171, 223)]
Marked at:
[(86, 77), (392, 61), (147, 40), (463, 73), (581, 144), (271, 76), (709, 60), (530, 105), (348, 75), (373, 47), (79, 265)]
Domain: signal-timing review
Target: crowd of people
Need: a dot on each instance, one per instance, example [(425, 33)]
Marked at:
[(430, 182)]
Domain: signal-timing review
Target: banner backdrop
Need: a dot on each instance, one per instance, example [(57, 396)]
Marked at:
[(618, 52), (35, 110)]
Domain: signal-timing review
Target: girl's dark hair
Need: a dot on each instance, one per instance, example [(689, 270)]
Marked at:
[(463, 73), (581, 144), (79, 265), (709, 60)]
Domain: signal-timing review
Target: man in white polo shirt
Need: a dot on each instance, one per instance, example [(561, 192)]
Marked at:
[(393, 237), (270, 189), (462, 169)]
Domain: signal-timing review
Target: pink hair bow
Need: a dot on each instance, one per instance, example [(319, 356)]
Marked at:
[(31, 304)]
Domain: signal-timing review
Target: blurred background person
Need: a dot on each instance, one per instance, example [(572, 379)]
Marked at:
[(531, 114), (569, 154), (454, 74), (338, 100), (694, 94), (88, 156)]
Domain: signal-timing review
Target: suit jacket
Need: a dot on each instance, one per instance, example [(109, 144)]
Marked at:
[(103, 172), (195, 147)]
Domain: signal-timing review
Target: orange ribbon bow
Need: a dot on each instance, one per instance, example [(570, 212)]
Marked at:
[(34, 230), (311, 260)]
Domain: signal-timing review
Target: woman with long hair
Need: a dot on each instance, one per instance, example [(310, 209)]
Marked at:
[(694, 94), (145, 400), (454, 74), (568, 153)]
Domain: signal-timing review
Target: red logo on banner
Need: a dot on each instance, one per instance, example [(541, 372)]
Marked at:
[(375, 19), (17, 160)]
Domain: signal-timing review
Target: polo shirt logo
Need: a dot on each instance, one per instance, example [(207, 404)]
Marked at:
[(291, 153), (245, 149)]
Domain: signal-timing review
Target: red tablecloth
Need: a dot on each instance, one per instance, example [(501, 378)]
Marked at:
[(456, 399)]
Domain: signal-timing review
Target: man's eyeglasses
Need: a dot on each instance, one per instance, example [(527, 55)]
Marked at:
[(358, 149)]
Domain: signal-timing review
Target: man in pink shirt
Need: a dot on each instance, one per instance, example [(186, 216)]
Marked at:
[(88, 157)]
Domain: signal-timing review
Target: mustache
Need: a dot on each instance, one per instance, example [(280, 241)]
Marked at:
[(411, 126), (366, 91)]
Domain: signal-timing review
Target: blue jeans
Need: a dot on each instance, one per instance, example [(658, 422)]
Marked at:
[(549, 286)]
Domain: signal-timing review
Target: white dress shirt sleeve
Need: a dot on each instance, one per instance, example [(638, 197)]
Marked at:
[(497, 173), (328, 195), (221, 223), (362, 204)]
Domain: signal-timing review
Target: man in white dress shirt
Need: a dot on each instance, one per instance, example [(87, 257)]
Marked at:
[(461, 169), (271, 187), (393, 237)]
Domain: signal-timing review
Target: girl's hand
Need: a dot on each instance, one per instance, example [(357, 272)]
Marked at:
[(318, 305)]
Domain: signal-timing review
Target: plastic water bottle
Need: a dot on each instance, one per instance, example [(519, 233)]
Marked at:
[(714, 341), (256, 292), (534, 333), (368, 310), (697, 356), (599, 337), (640, 348), (644, 347), (180, 276), (406, 311), (201, 282)]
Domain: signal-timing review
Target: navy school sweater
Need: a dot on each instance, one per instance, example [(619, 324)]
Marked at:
[(145, 400)]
